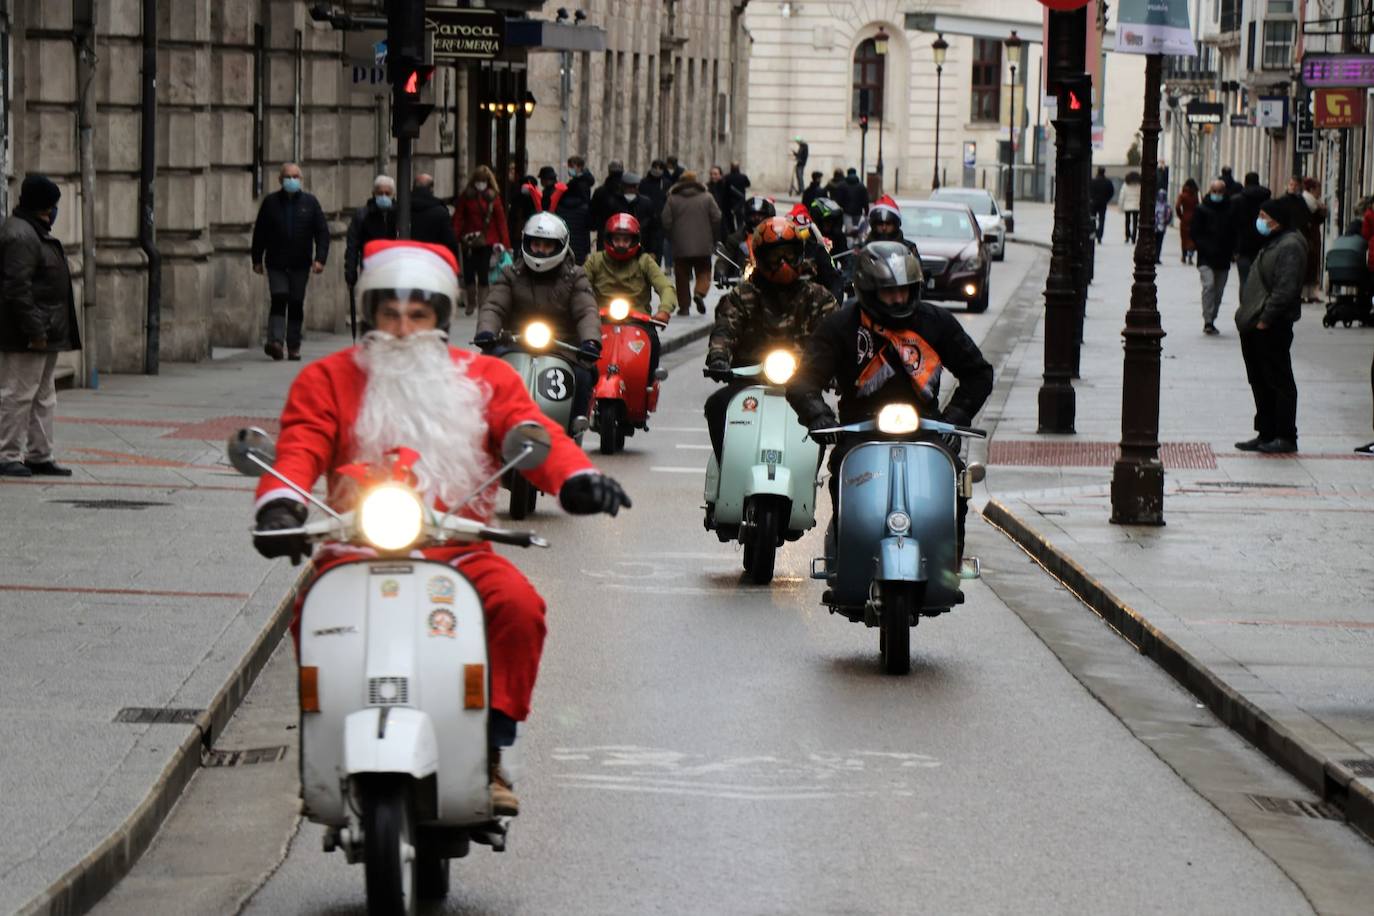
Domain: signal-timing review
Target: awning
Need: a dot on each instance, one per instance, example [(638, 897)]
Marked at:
[(541, 35)]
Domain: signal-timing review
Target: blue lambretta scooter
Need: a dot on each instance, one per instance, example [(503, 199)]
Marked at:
[(891, 554)]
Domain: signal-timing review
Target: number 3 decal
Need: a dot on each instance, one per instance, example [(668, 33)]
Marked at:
[(554, 385)]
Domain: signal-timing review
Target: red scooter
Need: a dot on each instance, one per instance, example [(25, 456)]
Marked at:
[(625, 394)]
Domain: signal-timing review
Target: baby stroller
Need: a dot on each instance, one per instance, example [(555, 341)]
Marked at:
[(1349, 281)]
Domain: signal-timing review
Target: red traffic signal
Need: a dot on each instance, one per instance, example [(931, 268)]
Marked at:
[(415, 80), (863, 122), (1075, 98)]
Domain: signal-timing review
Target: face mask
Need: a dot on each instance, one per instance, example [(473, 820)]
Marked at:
[(383, 201), (52, 217), (656, 172), (1262, 226), (291, 185), (1216, 198), (572, 172), (631, 197), (480, 186)]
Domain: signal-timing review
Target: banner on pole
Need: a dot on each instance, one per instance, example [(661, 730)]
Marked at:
[(1154, 27)]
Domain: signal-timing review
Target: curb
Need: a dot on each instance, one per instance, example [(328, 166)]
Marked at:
[(1330, 779), (83, 885), (1033, 242), (682, 340)]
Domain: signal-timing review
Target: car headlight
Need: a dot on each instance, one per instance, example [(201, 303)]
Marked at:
[(538, 335), (898, 522), (898, 419), (973, 263), (779, 367), (619, 309), (391, 517)]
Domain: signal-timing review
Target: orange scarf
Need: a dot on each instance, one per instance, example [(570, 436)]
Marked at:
[(884, 350)]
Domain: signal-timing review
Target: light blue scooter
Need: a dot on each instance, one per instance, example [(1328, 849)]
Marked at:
[(764, 491), (892, 555)]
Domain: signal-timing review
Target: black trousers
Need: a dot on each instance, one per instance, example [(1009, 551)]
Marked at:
[(1101, 214), (716, 407), (1132, 224), (1269, 368)]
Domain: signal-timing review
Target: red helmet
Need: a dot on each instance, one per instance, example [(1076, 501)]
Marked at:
[(622, 224)]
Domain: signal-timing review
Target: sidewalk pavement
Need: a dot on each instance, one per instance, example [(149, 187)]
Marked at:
[(128, 592), (1257, 594)]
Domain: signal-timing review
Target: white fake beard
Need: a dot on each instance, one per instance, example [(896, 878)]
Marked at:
[(417, 397)]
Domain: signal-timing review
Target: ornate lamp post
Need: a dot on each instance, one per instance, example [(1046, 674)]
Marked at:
[(1014, 47), (938, 48), (880, 46)]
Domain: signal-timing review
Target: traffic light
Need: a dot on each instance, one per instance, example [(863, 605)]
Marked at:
[(412, 99), (863, 123), (1075, 98), (408, 67)]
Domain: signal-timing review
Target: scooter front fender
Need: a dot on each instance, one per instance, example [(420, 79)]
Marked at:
[(390, 739), (609, 388), (899, 560), (769, 480)]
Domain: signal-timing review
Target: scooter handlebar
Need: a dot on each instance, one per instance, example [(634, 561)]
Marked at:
[(514, 538)]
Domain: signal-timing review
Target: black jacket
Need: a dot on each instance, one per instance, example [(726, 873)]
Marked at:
[(575, 209), (641, 208), (1101, 191), (36, 300), (430, 220), (852, 197), (601, 209), (1213, 233), (290, 232), (813, 190), (656, 189), (1244, 208), (370, 222), (834, 352)]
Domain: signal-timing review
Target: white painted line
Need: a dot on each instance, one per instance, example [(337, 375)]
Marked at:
[(678, 429), (673, 470), (705, 447)]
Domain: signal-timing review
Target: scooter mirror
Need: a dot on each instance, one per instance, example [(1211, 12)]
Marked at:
[(247, 444), (976, 472), (527, 444)]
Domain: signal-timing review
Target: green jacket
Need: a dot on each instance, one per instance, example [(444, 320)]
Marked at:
[(756, 317), (637, 280), (1273, 289)]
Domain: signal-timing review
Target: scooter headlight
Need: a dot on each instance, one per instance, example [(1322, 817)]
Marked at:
[(898, 419), (391, 517), (898, 522), (779, 367), (538, 335), (619, 309)]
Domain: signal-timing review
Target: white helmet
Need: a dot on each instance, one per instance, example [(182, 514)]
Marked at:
[(407, 270), (544, 226)]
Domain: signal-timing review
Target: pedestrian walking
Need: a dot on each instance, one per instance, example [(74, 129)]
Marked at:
[(38, 321), (1314, 219), (430, 220), (1233, 187), (673, 170), (1164, 215), (374, 220), (1130, 205), (1270, 303), (715, 183), (1162, 176), (691, 220), (1100, 193), (601, 206), (1184, 207), (853, 200), (1245, 208), (290, 241), (479, 221), (799, 157), (834, 184), (653, 187), (577, 207), (813, 190), (1215, 238), (736, 193), (518, 194)]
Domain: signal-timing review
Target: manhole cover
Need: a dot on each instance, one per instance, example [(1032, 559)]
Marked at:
[(154, 715), (1297, 807), (244, 758), (1036, 453), (135, 504)]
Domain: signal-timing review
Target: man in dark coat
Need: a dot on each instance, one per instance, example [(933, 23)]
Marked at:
[(1233, 187), (853, 200), (1214, 235), (37, 322), (641, 207), (654, 186), (374, 220), (577, 207), (736, 193), (601, 209), (290, 241), (1100, 193), (1245, 208), (814, 189), (430, 219)]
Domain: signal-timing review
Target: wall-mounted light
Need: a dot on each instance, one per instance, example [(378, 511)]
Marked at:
[(880, 40)]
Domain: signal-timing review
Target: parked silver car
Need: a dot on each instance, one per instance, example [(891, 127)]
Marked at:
[(991, 222)]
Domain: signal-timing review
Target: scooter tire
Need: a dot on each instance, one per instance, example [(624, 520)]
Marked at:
[(900, 603), (432, 878), (761, 549), (608, 426), (388, 827), (523, 496)]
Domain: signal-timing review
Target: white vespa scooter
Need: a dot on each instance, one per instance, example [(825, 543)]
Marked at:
[(394, 681), (763, 492)]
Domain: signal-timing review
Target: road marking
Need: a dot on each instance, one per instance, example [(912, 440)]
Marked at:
[(680, 429), (702, 446), (140, 592), (667, 469)]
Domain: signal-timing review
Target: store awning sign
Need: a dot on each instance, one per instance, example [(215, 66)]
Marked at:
[(1154, 27), (1332, 71), (1205, 112), (466, 34)]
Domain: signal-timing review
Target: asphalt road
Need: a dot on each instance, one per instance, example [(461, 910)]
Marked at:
[(700, 745)]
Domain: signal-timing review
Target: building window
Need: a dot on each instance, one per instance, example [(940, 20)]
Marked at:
[(1278, 44), (870, 75), (1279, 7), (1230, 15), (986, 101)]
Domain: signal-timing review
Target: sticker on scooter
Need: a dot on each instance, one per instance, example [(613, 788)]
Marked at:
[(443, 623), (750, 405), (636, 347), (441, 590), (390, 588), (555, 385)]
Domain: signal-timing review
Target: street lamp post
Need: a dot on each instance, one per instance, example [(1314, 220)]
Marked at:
[(938, 47), (1014, 47), (880, 46)]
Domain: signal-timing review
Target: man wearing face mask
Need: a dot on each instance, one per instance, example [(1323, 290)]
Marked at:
[(641, 207), (374, 220), (654, 187), (37, 322), (290, 241), (1215, 238), (602, 207)]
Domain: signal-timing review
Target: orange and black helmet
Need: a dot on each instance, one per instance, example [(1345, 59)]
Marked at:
[(622, 237), (777, 250)]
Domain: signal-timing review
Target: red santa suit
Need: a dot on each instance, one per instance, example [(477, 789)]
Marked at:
[(317, 426)]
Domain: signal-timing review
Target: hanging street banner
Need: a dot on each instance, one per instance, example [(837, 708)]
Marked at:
[(1154, 27)]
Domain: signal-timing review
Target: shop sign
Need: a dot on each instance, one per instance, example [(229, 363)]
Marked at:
[(1205, 112), (1339, 108), (1337, 70), (466, 34)]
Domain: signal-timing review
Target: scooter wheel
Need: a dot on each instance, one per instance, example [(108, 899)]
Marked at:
[(901, 601), (432, 878), (608, 426), (389, 859), (761, 548)]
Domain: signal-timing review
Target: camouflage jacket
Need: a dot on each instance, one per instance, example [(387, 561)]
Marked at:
[(755, 317)]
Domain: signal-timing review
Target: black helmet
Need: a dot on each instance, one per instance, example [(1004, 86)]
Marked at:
[(887, 265), (758, 209), (824, 210)]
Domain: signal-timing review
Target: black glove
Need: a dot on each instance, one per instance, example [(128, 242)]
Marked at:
[(590, 350), (824, 421), (585, 494), (277, 515), (717, 364), (484, 340)]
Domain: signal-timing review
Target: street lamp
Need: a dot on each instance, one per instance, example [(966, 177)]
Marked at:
[(529, 104), (880, 47), (938, 47), (1014, 45)]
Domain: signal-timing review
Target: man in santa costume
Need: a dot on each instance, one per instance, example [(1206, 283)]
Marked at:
[(404, 386)]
